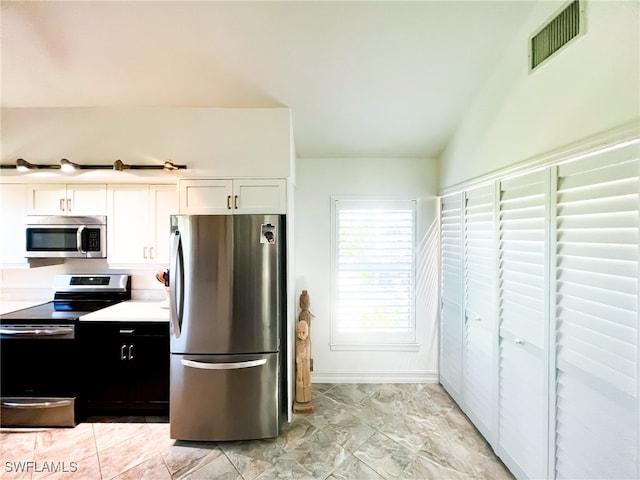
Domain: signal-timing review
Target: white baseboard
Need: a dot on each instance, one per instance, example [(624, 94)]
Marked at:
[(411, 376)]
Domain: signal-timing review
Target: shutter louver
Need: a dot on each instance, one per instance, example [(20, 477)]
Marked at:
[(523, 314), (598, 206), (480, 284), (452, 295)]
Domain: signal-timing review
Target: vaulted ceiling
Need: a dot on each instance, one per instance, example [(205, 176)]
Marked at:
[(362, 79)]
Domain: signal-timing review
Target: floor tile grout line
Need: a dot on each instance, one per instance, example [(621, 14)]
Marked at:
[(230, 461), (95, 443)]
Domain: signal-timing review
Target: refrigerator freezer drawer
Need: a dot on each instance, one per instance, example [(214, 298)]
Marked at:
[(224, 397)]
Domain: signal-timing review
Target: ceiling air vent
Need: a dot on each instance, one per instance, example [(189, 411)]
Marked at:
[(556, 34)]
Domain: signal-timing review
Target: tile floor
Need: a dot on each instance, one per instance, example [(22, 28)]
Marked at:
[(358, 431)]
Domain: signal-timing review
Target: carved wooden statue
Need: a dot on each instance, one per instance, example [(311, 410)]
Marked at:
[(303, 399)]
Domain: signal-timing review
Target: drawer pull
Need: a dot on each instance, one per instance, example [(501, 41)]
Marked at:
[(42, 404), (223, 366)]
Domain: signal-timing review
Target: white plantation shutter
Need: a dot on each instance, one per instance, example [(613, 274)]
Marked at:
[(374, 265), (480, 295), (597, 363), (452, 295), (523, 316)]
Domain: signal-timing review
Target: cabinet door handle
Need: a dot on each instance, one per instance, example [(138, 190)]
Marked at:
[(235, 202), (228, 202), (151, 253), (123, 356), (62, 204), (130, 352), (518, 341), (68, 204), (144, 252)]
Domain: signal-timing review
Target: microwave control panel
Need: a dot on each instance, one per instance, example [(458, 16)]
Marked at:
[(92, 240)]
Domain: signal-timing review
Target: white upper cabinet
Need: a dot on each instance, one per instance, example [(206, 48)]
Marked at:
[(228, 197), (205, 196), (63, 199), (138, 229), (13, 208)]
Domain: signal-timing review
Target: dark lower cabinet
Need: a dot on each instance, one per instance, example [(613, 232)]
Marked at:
[(125, 367)]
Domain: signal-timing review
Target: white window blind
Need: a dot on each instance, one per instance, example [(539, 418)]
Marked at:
[(374, 264), (598, 205)]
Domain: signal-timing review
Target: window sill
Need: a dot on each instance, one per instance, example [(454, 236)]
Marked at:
[(377, 347)]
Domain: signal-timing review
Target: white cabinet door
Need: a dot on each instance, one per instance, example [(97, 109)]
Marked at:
[(163, 204), (13, 208), (61, 199), (86, 199), (267, 196), (228, 197), (128, 207), (479, 382), (452, 296), (523, 330), (206, 197), (47, 199), (596, 363), (139, 224)]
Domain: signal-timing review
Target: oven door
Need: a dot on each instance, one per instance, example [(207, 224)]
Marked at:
[(37, 375)]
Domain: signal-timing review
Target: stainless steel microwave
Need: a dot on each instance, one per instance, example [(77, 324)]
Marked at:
[(66, 236)]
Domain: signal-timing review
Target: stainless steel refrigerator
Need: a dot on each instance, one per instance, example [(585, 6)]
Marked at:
[(227, 311)]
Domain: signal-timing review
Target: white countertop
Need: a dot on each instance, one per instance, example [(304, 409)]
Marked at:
[(131, 311)]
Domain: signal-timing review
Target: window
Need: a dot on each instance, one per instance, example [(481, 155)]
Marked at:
[(373, 272)]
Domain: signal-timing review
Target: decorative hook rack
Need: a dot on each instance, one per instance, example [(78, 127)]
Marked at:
[(66, 165)]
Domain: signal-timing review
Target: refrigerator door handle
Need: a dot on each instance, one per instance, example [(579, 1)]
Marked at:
[(173, 283), (223, 366)]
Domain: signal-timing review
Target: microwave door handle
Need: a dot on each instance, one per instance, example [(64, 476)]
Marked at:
[(79, 238)]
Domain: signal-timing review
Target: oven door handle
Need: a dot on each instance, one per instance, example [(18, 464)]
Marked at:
[(37, 332), (43, 404)]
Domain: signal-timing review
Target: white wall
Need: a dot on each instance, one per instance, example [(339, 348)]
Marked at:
[(37, 283), (317, 181), (235, 142), (590, 87)]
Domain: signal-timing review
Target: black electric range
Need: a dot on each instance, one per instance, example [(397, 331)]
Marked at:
[(75, 295), (40, 355)]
